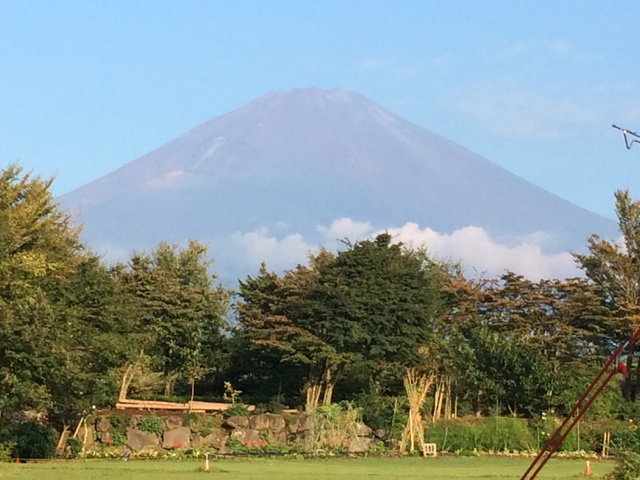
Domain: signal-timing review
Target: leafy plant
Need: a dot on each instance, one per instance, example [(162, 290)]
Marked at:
[(237, 409), (74, 445), (33, 440), (189, 419), (627, 466), (119, 429), (6, 449), (152, 424)]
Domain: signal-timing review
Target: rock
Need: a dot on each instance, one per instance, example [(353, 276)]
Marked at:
[(363, 430), (224, 451), (299, 423), (216, 439), (382, 434), (103, 425), (259, 422), (172, 422), (134, 420), (177, 438), (359, 445), (277, 437), (237, 422), (248, 437), (276, 423), (138, 440)]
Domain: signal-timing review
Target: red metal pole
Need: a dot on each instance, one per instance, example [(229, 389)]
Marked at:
[(553, 443)]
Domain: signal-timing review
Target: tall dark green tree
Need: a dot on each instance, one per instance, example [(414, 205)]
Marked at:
[(179, 308), (374, 303)]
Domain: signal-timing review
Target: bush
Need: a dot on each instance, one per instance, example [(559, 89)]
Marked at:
[(495, 434), (119, 429), (75, 447), (627, 466), (6, 450), (33, 440), (152, 424), (237, 409), (381, 412)]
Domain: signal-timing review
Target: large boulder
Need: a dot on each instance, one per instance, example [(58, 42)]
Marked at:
[(363, 430), (279, 436), (104, 430), (237, 422), (259, 422), (177, 438), (276, 423), (248, 437), (139, 440), (359, 445), (216, 439), (299, 423)]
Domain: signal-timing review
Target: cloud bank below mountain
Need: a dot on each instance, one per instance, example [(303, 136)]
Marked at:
[(472, 246)]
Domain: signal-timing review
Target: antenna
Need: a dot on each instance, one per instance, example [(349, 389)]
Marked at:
[(626, 132)]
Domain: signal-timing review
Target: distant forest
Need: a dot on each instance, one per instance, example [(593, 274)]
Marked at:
[(76, 332)]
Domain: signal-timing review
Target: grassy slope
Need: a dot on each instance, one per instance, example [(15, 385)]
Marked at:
[(332, 469)]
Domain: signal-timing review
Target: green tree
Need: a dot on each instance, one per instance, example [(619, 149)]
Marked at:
[(38, 247), (616, 269), (180, 311), (374, 303)]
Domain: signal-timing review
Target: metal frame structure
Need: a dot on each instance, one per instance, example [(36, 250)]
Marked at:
[(628, 143), (581, 406)]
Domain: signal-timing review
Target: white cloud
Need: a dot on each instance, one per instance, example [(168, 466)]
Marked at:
[(478, 251), (258, 246), (472, 246), (345, 228)]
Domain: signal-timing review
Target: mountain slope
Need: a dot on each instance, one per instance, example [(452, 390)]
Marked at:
[(290, 161)]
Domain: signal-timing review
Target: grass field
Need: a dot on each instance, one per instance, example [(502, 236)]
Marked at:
[(449, 468)]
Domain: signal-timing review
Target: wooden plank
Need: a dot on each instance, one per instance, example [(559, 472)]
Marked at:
[(195, 406)]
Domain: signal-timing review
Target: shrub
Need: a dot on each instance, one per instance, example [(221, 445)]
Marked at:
[(237, 409), (6, 449), (497, 434), (119, 429), (387, 413), (33, 440), (75, 447), (152, 424), (627, 466)]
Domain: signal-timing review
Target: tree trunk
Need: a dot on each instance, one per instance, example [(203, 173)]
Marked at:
[(169, 383), (447, 404), (313, 388), (330, 381), (126, 381)]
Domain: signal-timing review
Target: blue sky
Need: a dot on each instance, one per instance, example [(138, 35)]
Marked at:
[(87, 86)]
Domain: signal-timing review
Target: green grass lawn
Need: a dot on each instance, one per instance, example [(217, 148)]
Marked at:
[(449, 468)]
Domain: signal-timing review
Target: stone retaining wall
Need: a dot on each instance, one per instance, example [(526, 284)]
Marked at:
[(212, 432)]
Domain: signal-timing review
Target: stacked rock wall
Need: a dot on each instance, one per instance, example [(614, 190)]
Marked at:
[(213, 433)]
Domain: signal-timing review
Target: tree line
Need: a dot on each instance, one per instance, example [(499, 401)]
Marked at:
[(77, 333)]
